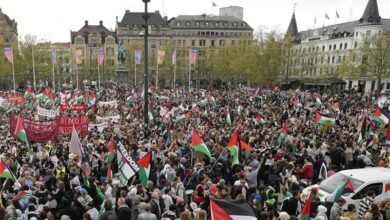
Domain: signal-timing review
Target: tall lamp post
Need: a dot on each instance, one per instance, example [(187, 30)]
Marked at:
[(146, 17)]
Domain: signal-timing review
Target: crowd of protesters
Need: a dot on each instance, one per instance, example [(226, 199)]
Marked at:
[(271, 177)]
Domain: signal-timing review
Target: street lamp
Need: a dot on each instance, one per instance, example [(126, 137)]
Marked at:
[(146, 17)]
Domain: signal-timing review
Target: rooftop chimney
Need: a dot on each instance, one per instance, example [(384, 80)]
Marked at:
[(101, 23), (86, 22), (165, 18), (157, 12), (127, 11)]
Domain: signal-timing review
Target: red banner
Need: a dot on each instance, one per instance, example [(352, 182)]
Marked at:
[(66, 124), (15, 99), (37, 131), (73, 108)]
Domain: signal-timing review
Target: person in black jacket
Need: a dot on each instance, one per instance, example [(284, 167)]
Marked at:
[(291, 205), (124, 212)]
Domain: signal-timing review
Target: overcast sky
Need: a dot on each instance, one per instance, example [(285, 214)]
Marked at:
[(53, 19)]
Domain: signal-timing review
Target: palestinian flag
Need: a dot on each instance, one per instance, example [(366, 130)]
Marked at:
[(231, 210), (43, 95), (305, 213), (233, 148), (144, 168), (260, 119), (29, 94), (245, 147), (92, 98), (283, 134), (22, 194), (11, 109), (379, 117), (347, 187), (81, 98), (181, 118), (110, 157), (388, 132), (228, 119), (212, 101), (5, 172), (318, 102), (204, 102), (320, 119), (387, 187), (239, 109), (129, 99), (198, 145), (19, 130), (336, 107), (100, 194)]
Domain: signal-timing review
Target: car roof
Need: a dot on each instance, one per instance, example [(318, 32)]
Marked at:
[(369, 174)]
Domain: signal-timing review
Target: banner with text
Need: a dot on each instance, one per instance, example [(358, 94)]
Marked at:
[(46, 112), (100, 127), (16, 99), (73, 108), (37, 131), (110, 103), (114, 118), (66, 124)]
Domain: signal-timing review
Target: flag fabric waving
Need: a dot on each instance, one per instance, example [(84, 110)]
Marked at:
[(174, 57), (144, 168), (127, 167), (379, 117), (305, 213), (100, 57), (234, 148), (5, 172), (337, 14), (198, 145), (9, 54), (54, 56), (231, 210), (245, 147), (160, 57), (137, 56), (20, 132), (336, 107), (193, 56), (320, 119), (347, 187), (283, 134), (326, 16), (110, 157)]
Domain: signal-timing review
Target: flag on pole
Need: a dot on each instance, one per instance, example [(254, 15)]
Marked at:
[(379, 117), (144, 168), (305, 213), (347, 187), (8, 54), (5, 172), (320, 119), (315, 20), (100, 57), (198, 145), (160, 57), (214, 4), (245, 147), (127, 167), (54, 56), (193, 56), (137, 56), (326, 16), (78, 56), (231, 210), (336, 107), (75, 146), (174, 57), (337, 14), (20, 132), (283, 134), (233, 148)]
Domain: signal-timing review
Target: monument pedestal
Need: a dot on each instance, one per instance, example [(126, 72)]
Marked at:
[(122, 75)]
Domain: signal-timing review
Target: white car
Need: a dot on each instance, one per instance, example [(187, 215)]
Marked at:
[(363, 180)]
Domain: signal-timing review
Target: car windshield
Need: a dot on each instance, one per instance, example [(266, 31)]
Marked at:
[(332, 183)]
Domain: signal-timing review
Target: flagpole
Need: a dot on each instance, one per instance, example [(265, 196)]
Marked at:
[(98, 74), (54, 82), (77, 76), (174, 77), (135, 74), (189, 74), (157, 77), (13, 71), (33, 66)]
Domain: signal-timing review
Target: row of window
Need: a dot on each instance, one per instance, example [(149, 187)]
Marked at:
[(94, 51), (108, 62), (210, 24), (331, 47), (313, 61), (95, 40), (211, 33)]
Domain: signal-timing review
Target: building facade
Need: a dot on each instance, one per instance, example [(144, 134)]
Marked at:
[(8, 29), (90, 40), (234, 11), (319, 52)]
